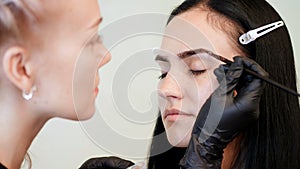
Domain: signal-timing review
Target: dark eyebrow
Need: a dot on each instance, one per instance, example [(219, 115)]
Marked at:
[(192, 52), (96, 23), (184, 54), (189, 53)]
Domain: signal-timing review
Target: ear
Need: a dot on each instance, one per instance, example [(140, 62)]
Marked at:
[(17, 68)]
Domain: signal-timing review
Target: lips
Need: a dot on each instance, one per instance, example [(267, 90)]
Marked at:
[(96, 83), (173, 114), (96, 90)]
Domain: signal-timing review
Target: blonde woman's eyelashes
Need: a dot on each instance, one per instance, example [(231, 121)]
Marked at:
[(163, 75)]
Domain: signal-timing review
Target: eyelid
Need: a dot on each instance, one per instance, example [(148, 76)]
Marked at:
[(195, 63), (160, 58), (164, 68), (163, 64), (198, 72)]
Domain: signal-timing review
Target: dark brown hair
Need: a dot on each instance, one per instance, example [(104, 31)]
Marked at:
[(274, 141)]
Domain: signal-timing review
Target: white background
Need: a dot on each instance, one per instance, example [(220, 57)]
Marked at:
[(64, 144)]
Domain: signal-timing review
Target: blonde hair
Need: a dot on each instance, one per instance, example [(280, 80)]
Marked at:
[(8, 24), (14, 21)]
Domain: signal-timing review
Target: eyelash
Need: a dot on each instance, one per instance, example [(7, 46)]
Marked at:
[(198, 72), (193, 72), (162, 76)]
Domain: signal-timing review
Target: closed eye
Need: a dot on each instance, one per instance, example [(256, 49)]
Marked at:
[(198, 72)]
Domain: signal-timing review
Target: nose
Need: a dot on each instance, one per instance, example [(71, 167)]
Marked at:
[(105, 56), (169, 88)]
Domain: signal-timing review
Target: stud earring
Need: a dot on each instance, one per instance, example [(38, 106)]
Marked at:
[(29, 95)]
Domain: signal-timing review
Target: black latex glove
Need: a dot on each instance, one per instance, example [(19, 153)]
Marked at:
[(225, 114), (106, 163)]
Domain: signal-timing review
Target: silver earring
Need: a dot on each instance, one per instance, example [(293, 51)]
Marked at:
[(29, 95)]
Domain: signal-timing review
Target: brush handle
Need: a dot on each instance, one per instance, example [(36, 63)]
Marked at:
[(280, 86), (272, 82)]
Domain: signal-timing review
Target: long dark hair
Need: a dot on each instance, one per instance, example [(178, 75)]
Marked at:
[(274, 141)]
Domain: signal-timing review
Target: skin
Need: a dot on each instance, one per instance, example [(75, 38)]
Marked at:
[(187, 83), (61, 57)]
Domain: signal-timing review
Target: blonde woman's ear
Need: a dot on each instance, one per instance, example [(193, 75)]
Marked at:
[(17, 67)]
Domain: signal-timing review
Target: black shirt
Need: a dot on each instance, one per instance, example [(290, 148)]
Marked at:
[(2, 167)]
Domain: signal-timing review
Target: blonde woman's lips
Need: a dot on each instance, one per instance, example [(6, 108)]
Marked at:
[(97, 81)]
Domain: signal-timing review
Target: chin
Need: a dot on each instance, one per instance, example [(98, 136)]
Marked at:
[(178, 141), (78, 113), (85, 114)]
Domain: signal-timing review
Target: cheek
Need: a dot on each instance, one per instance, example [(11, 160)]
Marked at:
[(84, 81), (55, 76), (161, 99), (66, 83), (206, 84), (54, 93)]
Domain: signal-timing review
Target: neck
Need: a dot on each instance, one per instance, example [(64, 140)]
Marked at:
[(18, 127)]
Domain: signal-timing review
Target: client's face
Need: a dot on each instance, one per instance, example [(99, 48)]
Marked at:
[(187, 81), (68, 55)]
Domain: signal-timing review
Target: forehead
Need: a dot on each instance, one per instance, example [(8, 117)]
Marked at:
[(195, 30), (182, 34), (70, 11)]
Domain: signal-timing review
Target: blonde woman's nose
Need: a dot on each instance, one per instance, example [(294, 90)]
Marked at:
[(105, 58)]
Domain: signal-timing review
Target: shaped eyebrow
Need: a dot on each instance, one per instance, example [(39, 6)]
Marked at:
[(186, 54), (189, 53)]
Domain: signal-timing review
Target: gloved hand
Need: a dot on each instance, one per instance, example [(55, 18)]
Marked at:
[(106, 163), (225, 114)]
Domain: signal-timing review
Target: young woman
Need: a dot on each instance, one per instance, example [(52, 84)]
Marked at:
[(272, 141), (264, 131), (50, 54)]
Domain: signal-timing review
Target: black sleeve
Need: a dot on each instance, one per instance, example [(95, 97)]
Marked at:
[(2, 167)]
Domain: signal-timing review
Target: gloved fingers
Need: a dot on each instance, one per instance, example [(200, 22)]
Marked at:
[(199, 156), (106, 163), (228, 80), (252, 65), (251, 83), (234, 72), (92, 163), (250, 90), (202, 116), (121, 163), (221, 71)]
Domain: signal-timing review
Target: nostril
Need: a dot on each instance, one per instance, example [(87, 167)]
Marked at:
[(171, 94)]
